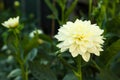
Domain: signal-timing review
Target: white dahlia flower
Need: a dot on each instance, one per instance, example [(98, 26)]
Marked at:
[(11, 23), (80, 37), (33, 33)]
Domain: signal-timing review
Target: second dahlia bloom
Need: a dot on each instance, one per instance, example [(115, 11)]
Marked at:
[(11, 23), (80, 37), (33, 33)]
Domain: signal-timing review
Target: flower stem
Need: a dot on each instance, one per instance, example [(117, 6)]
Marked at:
[(19, 59), (24, 72), (64, 62), (90, 8), (79, 68), (96, 65)]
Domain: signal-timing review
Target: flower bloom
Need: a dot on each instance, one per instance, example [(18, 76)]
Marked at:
[(33, 33), (80, 37), (17, 3), (11, 23)]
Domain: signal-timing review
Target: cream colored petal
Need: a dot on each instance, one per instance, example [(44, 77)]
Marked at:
[(97, 53), (86, 56), (81, 50), (94, 50), (74, 54), (4, 24), (63, 49), (74, 50)]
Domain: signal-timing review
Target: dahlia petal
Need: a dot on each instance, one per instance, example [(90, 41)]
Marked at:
[(86, 56), (74, 50)]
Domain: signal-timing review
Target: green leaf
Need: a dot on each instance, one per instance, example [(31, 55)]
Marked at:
[(110, 53), (18, 78), (45, 38), (5, 36), (115, 67), (70, 76), (15, 73), (70, 9), (107, 75), (29, 44), (113, 25), (32, 54), (52, 8), (61, 3), (41, 72), (51, 16), (9, 40), (111, 38)]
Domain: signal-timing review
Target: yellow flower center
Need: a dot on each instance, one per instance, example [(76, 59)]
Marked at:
[(78, 37)]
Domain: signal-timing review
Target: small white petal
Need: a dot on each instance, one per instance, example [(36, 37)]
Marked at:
[(86, 56), (74, 50), (74, 54), (97, 53)]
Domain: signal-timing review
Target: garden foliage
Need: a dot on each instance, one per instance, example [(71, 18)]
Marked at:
[(23, 57)]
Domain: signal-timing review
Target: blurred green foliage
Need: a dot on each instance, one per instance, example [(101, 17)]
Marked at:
[(43, 60)]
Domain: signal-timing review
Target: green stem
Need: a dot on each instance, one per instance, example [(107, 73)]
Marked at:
[(21, 62), (16, 43), (64, 62), (24, 72), (90, 8), (79, 68), (113, 10), (96, 65), (62, 16)]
